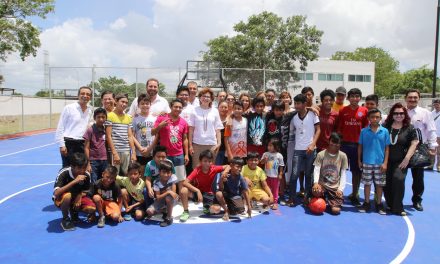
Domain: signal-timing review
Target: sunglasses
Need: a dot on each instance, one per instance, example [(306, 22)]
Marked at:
[(398, 113)]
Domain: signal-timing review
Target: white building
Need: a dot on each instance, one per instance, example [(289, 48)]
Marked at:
[(330, 74)]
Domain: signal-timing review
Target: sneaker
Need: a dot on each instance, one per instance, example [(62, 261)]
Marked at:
[(127, 217), (300, 194), (380, 209), (67, 224), (355, 201), (101, 221), (364, 208), (206, 211), (265, 209), (184, 216), (164, 216), (74, 216), (282, 202), (166, 222)]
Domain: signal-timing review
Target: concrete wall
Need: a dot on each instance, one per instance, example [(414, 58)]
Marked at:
[(17, 105)]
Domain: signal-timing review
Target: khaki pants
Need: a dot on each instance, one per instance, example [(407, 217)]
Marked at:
[(197, 150), (123, 165)]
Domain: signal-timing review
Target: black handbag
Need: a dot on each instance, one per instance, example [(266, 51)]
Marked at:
[(421, 158)]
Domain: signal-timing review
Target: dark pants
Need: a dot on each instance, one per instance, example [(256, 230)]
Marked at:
[(72, 146), (98, 167), (394, 191), (301, 162), (418, 185)]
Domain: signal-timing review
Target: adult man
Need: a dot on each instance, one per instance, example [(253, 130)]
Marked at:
[(341, 93), (108, 101), (270, 98), (436, 117), (159, 104), (73, 124), (422, 119), (221, 96), (193, 100)]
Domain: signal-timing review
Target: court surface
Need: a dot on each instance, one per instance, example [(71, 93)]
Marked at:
[(31, 232)]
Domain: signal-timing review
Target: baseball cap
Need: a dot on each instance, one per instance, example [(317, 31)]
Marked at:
[(341, 90)]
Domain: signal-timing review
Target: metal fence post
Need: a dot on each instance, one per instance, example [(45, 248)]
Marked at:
[(137, 82), (264, 79), (50, 98), (22, 113), (93, 86)]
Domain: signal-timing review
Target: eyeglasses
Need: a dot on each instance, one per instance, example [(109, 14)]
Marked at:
[(230, 99), (398, 113)]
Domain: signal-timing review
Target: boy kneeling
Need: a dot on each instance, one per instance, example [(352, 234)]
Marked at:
[(231, 188), (107, 196), (203, 177), (256, 179), (329, 174), (70, 191), (165, 192)]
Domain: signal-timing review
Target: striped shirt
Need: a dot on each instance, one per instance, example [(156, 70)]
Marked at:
[(120, 126)]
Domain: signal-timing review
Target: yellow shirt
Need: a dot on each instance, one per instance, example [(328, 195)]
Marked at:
[(256, 176), (337, 107), (135, 191)]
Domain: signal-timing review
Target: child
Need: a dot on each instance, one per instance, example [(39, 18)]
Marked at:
[(231, 188), (328, 119), (132, 192), (373, 153), (305, 127), (273, 122), (172, 131), (235, 133), (256, 127), (142, 137), (256, 179), (274, 167), (118, 131), (372, 102), (165, 191), (107, 196), (352, 119), (152, 172), (329, 175), (200, 182), (94, 145), (70, 191)]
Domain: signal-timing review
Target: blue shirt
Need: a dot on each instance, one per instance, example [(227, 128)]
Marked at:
[(233, 186), (373, 145)]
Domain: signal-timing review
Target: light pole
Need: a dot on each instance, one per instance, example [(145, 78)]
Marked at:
[(434, 83)]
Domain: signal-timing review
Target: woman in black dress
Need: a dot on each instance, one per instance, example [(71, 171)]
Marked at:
[(403, 145)]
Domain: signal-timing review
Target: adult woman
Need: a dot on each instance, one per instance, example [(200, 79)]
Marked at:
[(245, 99), (204, 127), (223, 110), (403, 144), (287, 100)]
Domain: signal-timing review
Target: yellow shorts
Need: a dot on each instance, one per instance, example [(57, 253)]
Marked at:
[(258, 194)]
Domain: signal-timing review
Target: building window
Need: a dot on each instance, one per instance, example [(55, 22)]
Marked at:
[(359, 78), (330, 77), (305, 76)]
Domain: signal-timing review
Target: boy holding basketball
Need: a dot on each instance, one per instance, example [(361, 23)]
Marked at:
[(329, 174), (70, 191)]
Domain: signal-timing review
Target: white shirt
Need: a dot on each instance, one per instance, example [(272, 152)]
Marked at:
[(195, 103), (205, 123), (73, 123), (186, 112), (159, 105), (422, 119), (436, 117), (304, 129)]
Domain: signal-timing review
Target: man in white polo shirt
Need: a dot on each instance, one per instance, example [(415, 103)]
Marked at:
[(73, 124), (436, 116), (422, 119), (159, 104)]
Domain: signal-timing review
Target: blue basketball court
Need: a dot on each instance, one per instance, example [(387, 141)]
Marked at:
[(31, 232)]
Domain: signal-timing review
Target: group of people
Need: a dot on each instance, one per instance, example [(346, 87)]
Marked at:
[(229, 151)]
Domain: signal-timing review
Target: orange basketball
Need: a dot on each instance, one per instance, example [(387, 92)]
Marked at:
[(317, 205)]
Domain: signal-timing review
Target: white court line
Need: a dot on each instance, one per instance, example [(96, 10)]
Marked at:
[(24, 150), (409, 241), (30, 164), (22, 191)]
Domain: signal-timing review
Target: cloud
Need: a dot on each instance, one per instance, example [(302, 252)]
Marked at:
[(177, 31)]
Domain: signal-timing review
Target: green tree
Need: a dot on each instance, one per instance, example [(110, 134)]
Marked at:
[(265, 41), (420, 78), (17, 34), (386, 73)]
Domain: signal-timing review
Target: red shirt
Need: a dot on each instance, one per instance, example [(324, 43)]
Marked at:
[(203, 181), (351, 123), (328, 124)]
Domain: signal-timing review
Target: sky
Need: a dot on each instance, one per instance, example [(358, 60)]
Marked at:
[(159, 36)]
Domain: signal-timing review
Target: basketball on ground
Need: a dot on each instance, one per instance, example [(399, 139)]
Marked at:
[(317, 205)]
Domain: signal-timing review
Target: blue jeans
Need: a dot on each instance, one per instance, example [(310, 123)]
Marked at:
[(301, 162), (98, 167), (220, 159)]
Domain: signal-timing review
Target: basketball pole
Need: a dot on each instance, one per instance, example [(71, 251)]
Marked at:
[(434, 83)]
